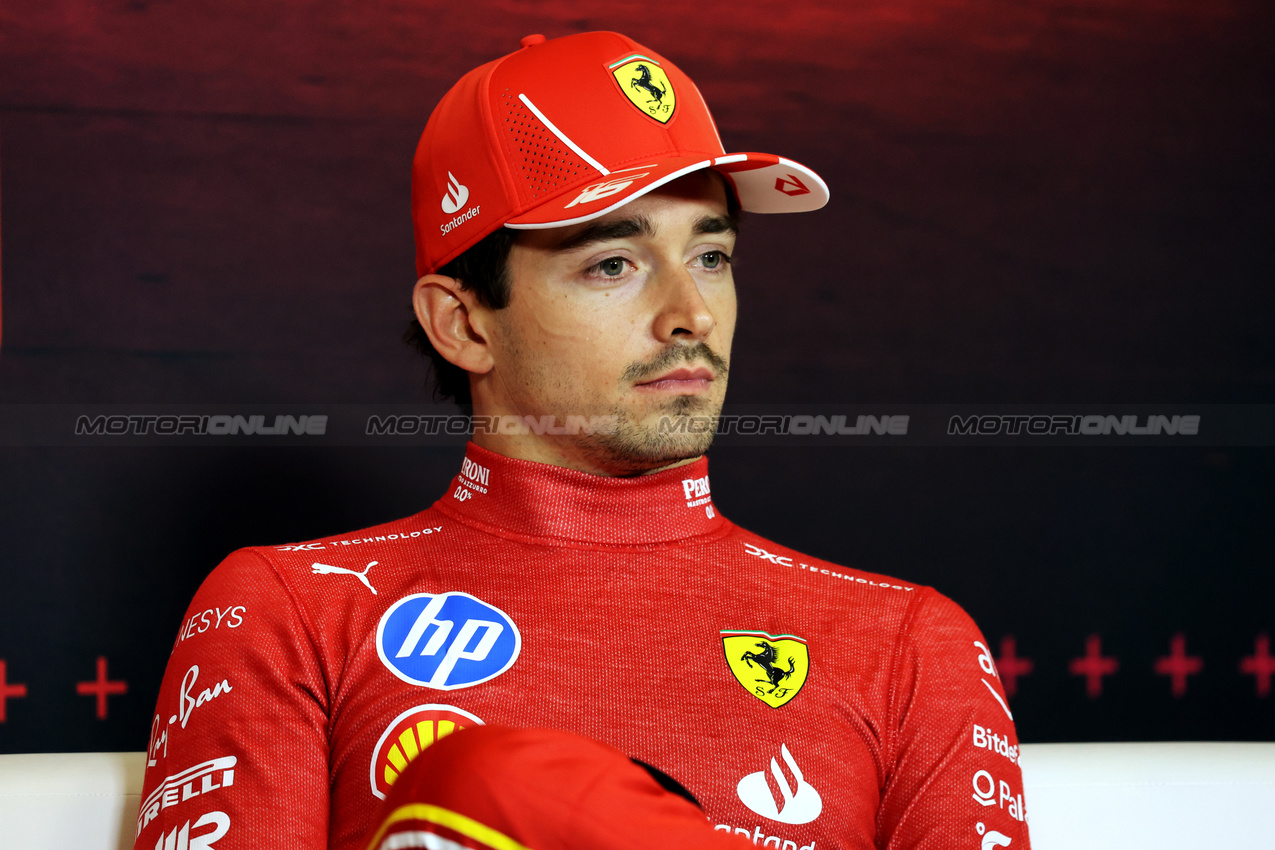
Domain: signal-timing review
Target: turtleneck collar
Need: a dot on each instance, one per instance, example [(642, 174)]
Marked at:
[(536, 500)]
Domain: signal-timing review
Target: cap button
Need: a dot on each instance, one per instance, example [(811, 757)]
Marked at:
[(532, 40)]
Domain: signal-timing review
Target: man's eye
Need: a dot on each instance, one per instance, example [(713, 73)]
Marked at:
[(610, 267), (714, 259)]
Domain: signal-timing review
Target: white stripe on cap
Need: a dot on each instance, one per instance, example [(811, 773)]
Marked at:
[(562, 137)]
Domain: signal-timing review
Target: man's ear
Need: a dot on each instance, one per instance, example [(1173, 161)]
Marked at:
[(451, 317)]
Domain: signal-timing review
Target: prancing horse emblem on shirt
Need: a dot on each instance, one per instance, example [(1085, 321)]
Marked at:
[(770, 667)]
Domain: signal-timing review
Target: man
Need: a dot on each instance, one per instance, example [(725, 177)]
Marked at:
[(575, 219)]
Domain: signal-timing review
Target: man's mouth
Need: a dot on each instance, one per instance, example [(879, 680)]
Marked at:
[(683, 380)]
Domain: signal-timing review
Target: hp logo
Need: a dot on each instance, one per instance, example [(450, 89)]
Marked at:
[(446, 640)]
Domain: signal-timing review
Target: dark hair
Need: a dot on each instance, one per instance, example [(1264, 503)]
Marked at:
[(484, 269)]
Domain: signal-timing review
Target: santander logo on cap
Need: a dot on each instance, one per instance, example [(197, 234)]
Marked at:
[(456, 196), (454, 200)]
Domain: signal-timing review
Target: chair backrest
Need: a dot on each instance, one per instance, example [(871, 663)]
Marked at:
[(1170, 796), (85, 801), (1091, 796)]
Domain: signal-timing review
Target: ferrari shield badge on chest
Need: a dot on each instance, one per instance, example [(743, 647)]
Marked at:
[(770, 667), (646, 86)]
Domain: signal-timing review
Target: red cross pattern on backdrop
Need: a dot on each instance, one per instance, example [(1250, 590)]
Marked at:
[(101, 687), (8, 691), (1260, 665), (1011, 666), (1177, 665), (1093, 666)]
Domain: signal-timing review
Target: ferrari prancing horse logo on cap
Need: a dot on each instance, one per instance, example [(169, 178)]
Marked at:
[(647, 87), (770, 667)]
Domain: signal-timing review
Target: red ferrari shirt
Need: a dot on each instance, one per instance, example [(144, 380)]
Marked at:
[(806, 705)]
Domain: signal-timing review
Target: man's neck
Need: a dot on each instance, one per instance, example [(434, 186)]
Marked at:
[(551, 502)]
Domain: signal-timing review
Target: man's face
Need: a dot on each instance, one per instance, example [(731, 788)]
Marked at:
[(629, 316)]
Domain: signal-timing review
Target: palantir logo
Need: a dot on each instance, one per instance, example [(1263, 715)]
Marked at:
[(446, 640), (456, 195), (801, 804)]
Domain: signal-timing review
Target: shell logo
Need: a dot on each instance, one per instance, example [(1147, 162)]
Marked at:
[(409, 734)]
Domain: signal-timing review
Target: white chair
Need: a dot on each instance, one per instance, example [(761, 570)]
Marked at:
[(76, 801), (1153, 796)]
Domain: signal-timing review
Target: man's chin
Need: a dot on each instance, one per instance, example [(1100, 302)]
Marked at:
[(681, 430)]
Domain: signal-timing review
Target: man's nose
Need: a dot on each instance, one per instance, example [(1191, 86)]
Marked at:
[(683, 313)]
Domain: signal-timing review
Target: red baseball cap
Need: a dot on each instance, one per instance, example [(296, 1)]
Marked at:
[(500, 788), (566, 130)]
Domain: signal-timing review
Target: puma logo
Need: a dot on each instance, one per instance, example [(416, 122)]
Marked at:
[(328, 569)]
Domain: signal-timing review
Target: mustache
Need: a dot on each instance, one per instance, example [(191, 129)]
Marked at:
[(670, 357)]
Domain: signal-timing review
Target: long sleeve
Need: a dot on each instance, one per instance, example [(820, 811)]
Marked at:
[(238, 750), (955, 780)]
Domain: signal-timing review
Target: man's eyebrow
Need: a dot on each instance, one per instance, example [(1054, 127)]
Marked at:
[(717, 224), (607, 231), (641, 226)]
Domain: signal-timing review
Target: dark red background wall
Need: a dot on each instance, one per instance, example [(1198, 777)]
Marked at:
[(1037, 202)]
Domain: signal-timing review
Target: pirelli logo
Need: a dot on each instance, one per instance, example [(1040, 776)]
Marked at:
[(180, 787)]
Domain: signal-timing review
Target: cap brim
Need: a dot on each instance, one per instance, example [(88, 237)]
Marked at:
[(764, 183)]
